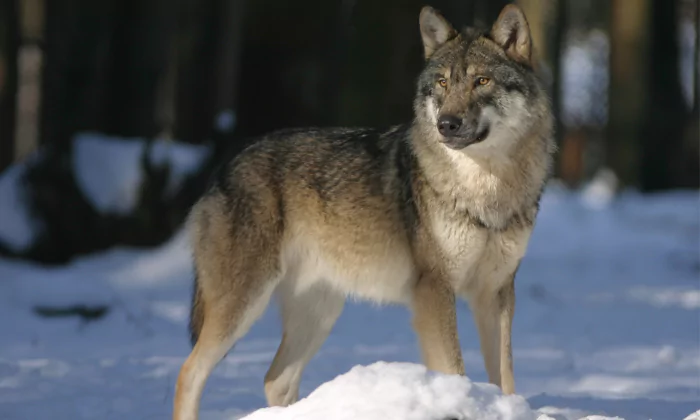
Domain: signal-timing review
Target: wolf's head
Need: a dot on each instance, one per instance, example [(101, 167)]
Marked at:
[(478, 88)]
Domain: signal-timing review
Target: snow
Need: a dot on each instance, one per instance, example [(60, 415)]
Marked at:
[(225, 121), (601, 190), (17, 229), (585, 78), (606, 324), (694, 416), (406, 391), (109, 170)]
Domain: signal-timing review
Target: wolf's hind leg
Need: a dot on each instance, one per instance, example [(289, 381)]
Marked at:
[(308, 318), (224, 323), (236, 231)]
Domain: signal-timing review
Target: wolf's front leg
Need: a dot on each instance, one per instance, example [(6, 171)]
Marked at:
[(493, 314), (435, 322), (506, 306)]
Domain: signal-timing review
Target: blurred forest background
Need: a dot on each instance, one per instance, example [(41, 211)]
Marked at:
[(623, 75)]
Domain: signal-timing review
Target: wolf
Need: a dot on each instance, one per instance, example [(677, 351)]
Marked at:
[(439, 208)]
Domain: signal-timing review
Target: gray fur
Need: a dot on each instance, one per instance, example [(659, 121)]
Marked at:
[(405, 215)]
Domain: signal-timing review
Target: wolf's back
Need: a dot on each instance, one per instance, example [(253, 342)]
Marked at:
[(332, 183)]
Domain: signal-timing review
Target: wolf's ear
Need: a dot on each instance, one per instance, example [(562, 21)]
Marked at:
[(434, 29), (512, 32)]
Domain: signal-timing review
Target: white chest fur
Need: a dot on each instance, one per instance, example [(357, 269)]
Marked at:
[(477, 258), (489, 191)]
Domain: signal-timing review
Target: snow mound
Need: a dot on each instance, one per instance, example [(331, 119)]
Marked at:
[(384, 391), (17, 229), (109, 172), (693, 416), (600, 192)]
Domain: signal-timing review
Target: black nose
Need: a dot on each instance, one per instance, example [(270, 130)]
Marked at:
[(448, 125)]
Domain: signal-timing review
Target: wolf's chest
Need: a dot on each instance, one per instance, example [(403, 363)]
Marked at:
[(474, 256)]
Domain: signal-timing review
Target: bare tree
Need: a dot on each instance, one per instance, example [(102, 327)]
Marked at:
[(696, 61), (662, 146), (548, 22), (230, 44), (629, 77), (9, 50), (558, 31)]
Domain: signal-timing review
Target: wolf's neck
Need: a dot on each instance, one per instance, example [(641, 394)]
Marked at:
[(491, 187)]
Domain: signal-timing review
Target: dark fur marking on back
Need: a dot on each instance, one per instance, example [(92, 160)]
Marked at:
[(405, 165), (196, 312), (351, 145)]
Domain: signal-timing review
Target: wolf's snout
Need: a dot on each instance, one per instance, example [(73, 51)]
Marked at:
[(449, 125)]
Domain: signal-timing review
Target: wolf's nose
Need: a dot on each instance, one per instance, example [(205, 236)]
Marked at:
[(448, 125)]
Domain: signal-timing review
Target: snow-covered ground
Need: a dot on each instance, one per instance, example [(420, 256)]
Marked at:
[(405, 391), (607, 323)]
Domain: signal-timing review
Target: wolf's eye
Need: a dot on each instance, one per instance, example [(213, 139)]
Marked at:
[(443, 82), (482, 81)]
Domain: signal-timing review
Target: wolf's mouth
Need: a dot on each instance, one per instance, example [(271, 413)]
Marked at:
[(460, 142), (481, 135)]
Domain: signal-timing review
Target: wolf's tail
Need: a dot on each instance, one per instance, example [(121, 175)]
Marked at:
[(196, 312)]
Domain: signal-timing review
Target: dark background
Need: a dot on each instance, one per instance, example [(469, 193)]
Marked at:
[(623, 75)]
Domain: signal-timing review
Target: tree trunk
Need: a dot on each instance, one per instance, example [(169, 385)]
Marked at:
[(231, 21), (166, 93), (139, 53), (537, 13), (629, 81), (9, 51), (488, 10), (558, 33), (696, 61), (662, 141), (574, 172), (196, 91), (548, 22), (335, 49), (76, 55)]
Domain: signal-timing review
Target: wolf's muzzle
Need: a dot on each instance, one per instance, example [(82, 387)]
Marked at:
[(457, 135)]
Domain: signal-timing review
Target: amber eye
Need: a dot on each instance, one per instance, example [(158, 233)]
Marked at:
[(443, 82), (482, 81)]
